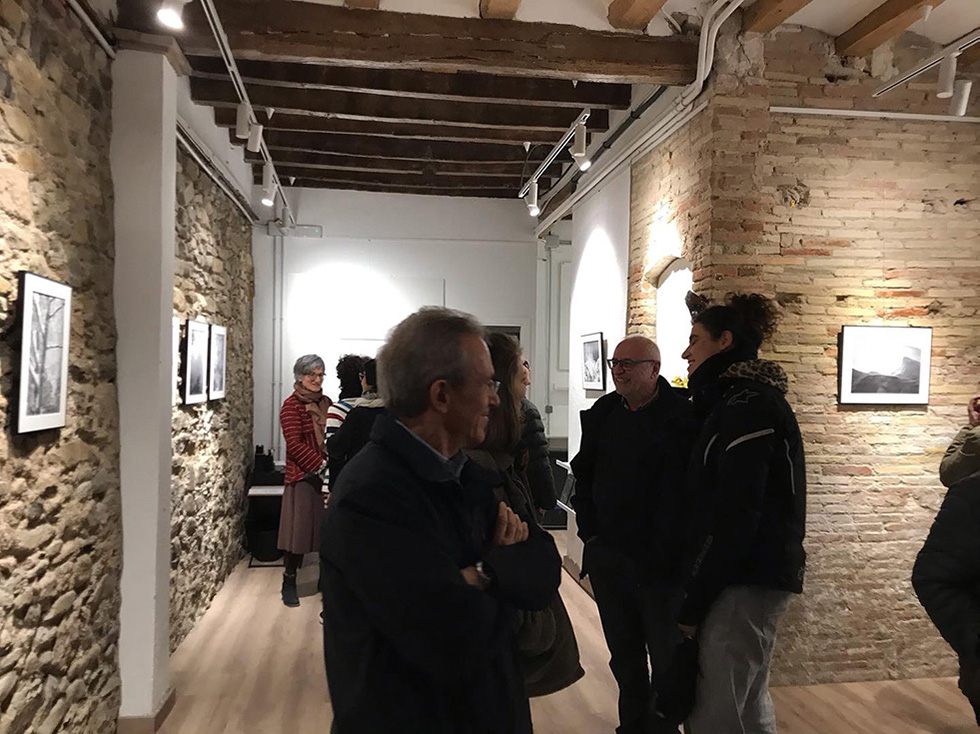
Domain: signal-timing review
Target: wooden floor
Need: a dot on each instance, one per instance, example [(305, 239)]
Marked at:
[(252, 666)]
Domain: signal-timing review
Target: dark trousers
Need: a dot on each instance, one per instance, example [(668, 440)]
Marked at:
[(639, 622)]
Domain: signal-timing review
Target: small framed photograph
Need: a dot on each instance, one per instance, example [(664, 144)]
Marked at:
[(219, 350), (885, 365), (175, 367), (593, 362), (195, 362), (45, 312)]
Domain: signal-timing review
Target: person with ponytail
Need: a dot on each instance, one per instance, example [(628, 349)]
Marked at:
[(748, 488)]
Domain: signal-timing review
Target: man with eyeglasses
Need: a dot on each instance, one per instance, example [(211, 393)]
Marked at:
[(630, 510), (422, 570)]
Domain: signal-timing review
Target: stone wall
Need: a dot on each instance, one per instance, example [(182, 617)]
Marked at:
[(845, 221), (60, 516), (212, 441)]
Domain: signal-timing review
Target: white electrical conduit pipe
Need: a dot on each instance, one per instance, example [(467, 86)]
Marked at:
[(956, 47), (92, 27), (872, 114), (670, 121)]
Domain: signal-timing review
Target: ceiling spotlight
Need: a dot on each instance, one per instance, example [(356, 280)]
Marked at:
[(268, 187), (924, 12), (270, 111), (292, 180), (579, 152), (947, 77), (241, 121), (171, 13), (254, 138), (532, 199), (961, 97)]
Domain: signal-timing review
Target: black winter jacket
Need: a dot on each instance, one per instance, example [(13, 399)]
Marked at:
[(646, 520), (748, 484), (408, 645), (538, 465), (946, 578), (352, 436)]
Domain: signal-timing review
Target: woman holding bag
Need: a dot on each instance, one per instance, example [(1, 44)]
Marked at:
[(546, 641)]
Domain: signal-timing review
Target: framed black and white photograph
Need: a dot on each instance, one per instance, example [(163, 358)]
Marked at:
[(45, 309), (885, 365), (593, 373), (195, 360), (219, 350)]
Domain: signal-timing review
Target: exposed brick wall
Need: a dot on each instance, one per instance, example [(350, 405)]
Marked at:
[(886, 230), (60, 512), (212, 441)]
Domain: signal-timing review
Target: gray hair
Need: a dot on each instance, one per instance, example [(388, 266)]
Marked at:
[(425, 347), (306, 364)]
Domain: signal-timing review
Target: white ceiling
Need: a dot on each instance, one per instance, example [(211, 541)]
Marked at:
[(948, 22)]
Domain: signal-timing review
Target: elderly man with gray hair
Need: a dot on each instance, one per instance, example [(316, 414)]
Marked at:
[(421, 568)]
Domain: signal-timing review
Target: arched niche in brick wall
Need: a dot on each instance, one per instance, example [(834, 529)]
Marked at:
[(673, 318)]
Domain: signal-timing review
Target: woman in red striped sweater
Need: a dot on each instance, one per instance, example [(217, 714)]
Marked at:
[(303, 417)]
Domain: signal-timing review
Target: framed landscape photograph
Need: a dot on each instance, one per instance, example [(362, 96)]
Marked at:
[(885, 365), (593, 363), (219, 351), (45, 312), (195, 362)]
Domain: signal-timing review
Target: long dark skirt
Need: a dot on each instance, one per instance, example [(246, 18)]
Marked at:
[(299, 524)]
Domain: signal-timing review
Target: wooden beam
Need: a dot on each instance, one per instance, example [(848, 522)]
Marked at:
[(499, 8), (447, 87), (764, 15), (225, 117), (428, 179), (354, 106), (425, 150), (475, 192), (971, 57), (312, 33), (366, 4), (301, 159), (883, 23), (633, 14)]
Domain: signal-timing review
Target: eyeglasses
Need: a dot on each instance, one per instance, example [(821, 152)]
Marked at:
[(314, 375), (494, 386), (626, 364)]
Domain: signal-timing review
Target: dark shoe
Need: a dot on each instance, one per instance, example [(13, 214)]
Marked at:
[(290, 597)]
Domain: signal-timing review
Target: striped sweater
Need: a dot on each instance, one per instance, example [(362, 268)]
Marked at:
[(302, 453)]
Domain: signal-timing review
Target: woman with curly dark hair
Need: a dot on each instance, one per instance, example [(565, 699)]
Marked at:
[(349, 370), (748, 485)]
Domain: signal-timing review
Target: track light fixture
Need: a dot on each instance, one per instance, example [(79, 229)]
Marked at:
[(532, 199), (579, 152), (170, 14), (961, 97), (947, 77), (924, 12), (268, 187), (241, 121), (254, 138)]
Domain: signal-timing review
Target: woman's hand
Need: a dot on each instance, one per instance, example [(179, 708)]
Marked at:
[(510, 529)]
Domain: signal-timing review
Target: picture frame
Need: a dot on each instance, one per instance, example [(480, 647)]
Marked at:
[(593, 362), (195, 362), (45, 329), (175, 367), (885, 365), (217, 361)]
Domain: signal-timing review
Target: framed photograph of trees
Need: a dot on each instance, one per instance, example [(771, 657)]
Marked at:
[(195, 362), (45, 312), (219, 351)]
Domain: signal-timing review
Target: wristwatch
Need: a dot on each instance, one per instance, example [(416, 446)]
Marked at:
[(485, 578)]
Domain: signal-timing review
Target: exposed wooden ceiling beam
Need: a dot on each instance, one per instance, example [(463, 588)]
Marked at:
[(764, 15), (427, 179), (354, 106), (307, 32), (499, 8), (225, 117), (633, 14), (366, 4), (447, 87), (426, 150), (506, 192), (883, 23), (971, 56), (506, 169)]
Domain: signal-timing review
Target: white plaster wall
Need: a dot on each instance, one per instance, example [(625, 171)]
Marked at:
[(381, 257), (600, 241)]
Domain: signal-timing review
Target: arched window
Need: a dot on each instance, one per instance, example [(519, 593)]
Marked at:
[(673, 318)]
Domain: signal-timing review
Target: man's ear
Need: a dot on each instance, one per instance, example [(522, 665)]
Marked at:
[(439, 396)]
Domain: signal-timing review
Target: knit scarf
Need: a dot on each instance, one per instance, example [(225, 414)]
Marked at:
[(317, 405)]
